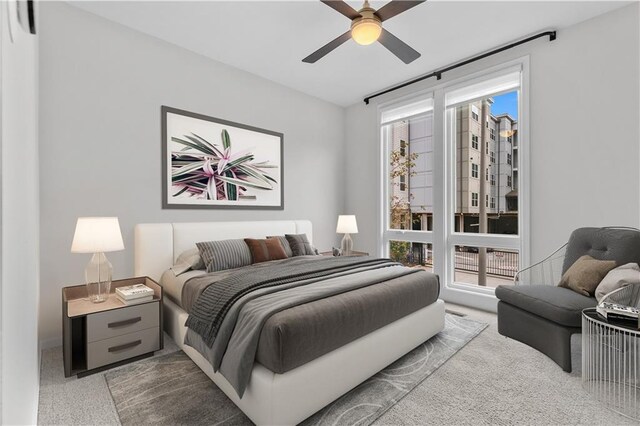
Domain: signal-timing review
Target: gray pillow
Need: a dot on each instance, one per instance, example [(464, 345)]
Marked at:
[(225, 254), (619, 277), (300, 245), (285, 244), (189, 259)]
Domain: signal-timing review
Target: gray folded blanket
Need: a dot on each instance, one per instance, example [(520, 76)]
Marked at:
[(211, 307)]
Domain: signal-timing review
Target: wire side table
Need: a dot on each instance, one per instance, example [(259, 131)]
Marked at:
[(610, 363)]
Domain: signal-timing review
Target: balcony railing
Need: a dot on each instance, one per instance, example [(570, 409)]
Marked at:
[(501, 263)]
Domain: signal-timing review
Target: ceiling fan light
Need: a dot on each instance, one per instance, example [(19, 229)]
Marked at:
[(366, 31)]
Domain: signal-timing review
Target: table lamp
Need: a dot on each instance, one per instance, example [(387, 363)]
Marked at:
[(347, 225), (97, 235)]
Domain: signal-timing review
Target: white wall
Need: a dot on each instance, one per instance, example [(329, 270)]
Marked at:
[(19, 215), (584, 109), (101, 88)]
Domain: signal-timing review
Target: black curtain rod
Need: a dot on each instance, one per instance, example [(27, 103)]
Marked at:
[(438, 74)]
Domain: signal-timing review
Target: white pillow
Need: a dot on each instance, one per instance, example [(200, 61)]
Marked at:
[(189, 259), (618, 277)]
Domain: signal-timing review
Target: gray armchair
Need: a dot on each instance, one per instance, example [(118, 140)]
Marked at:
[(536, 312)]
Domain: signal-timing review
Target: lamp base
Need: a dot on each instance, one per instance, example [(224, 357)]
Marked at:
[(97, 275), (347, 245)]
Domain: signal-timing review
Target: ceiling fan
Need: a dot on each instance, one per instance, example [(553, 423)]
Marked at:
[(366, 28)]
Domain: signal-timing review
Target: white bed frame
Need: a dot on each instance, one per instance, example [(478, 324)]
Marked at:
[(289, 398)]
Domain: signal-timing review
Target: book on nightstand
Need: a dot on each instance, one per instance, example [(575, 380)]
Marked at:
[(134, 292), (136, 300)]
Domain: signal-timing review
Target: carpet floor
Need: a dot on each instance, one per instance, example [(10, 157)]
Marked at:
[(492, 380), (172, 389)]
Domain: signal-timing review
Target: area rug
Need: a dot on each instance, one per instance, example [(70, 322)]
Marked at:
[(171, 389)]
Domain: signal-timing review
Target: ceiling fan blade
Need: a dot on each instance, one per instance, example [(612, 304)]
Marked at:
[(343, 8), (318, 54), (398, 47), (395, 7)]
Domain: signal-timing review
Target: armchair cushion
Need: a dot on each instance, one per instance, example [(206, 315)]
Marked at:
[(557, 304), (621, 245), (585, 274)]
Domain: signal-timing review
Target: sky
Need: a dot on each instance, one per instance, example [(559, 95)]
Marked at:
[(506, 103)]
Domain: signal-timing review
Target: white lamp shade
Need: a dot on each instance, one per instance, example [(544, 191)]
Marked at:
[(97, 235), (347, 225)]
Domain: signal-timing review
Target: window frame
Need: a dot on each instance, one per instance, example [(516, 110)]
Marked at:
[(441, 238), (474, 141)]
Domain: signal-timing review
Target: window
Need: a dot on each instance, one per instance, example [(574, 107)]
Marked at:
[(509, 139), (408, 139), (471, 225), (509, 159), (473, 252)]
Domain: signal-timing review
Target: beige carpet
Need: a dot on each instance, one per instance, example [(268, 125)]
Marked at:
[(173, 390), (492, 380)]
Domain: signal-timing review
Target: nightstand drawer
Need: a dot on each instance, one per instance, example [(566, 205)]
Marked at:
[(116, 322), (122, 347)]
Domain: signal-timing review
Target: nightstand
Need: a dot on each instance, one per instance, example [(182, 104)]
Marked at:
[(353, 253), (98, 336)]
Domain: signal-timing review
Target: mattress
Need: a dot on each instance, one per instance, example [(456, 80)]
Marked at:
[(297, 335), (173, 285)]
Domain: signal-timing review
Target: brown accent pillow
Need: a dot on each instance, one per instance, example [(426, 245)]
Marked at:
[(585, 274), (264, 250)]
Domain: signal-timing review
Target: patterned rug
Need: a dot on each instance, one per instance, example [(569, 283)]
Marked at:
[(171, 389)]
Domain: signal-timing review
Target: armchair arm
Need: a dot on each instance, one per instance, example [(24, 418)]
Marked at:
[(548, 271)]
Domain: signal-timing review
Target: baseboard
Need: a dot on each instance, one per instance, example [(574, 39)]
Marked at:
[(52, 342)]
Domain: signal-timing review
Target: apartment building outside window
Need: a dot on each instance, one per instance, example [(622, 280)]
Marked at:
[(474, 141), (508, 159), (492, 155), (474, 170), (403, 183), (509, 181), (403, 148), (492, 134), (493, 180)]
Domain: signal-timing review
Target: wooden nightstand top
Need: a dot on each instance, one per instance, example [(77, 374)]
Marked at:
[(78, 305), (353, 253)]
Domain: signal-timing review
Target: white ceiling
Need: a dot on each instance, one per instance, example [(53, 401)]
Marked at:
[(270, 38)]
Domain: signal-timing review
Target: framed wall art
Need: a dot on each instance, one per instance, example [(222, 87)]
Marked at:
[(213, 163)]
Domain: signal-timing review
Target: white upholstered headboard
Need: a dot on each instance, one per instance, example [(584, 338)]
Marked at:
[(158, 245)]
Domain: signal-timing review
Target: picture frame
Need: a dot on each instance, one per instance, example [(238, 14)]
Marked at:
[(211, 163)]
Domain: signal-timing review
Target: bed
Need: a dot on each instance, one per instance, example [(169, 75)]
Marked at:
[(288, 395)]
